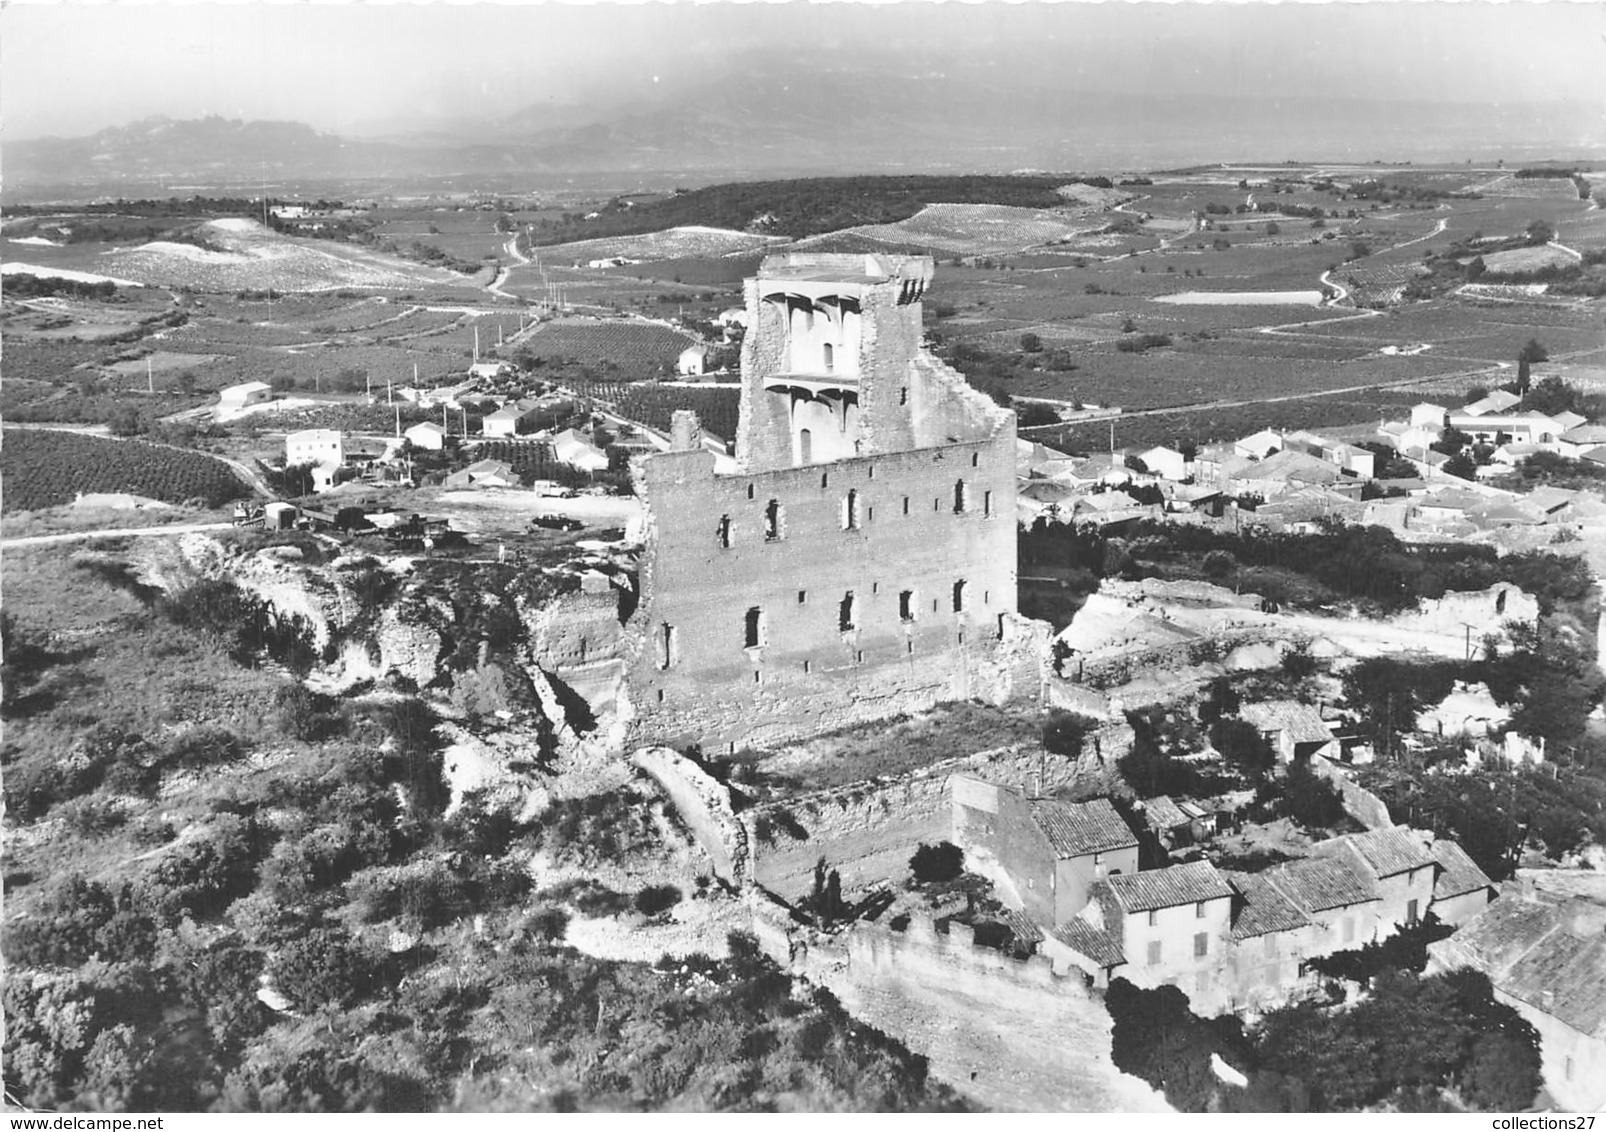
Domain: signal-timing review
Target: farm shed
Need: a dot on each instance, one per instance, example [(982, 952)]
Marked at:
[(236, 398)]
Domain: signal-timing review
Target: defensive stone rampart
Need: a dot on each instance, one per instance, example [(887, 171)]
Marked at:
[(1015, 1035), (704, 805), (868, 831)]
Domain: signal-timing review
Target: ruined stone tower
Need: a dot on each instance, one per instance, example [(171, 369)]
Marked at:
[(860, 560)]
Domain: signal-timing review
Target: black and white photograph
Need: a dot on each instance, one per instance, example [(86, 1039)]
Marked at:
[(802, 557)]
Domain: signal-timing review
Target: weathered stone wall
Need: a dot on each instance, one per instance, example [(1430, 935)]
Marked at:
[(868, 831), (808, 675), (704, 805), (1114, 671), (1359, 802), (1014, 1035)]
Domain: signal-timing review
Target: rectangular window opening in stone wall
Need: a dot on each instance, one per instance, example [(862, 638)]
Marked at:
[(802, 597), (959, 596), (667, 645), (903, 395), (758, 677), (850, 511), (774, 521), (987, 504), (1198, 910), (1154, 953), (825, 479), (906, 505), (906, 605), (975, 459), (1201, 945), (848, 613), (753, 628), (1154, 917), (869, 471), (808, 666), (750, 491), (723, 531), (961, 497)]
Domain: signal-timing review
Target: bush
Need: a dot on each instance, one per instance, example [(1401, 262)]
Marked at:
[(657, 898), (1311, 800), (934, 864), (324, 969)]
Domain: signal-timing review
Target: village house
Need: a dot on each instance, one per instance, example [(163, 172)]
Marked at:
[(1517, 428), (426, 435), (1460, 889), (1259, 445), (237, 398), (1052, 851), (1576, 441), (509, 420), (320, 451), (1295, 731), (1398, 865), (693, 361), (576, 450), (484, 473), (1491, 405), (1167, 463), (1545, 953), (1170, 925)]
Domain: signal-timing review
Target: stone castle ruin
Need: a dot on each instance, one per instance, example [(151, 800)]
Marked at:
[(858, 559)]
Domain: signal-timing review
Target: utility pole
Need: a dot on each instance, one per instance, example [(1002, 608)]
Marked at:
[(150, 382)]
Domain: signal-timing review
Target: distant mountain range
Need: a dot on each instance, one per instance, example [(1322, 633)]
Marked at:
[(823, 123)]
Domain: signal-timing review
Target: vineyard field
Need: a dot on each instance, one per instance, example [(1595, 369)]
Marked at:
[(44, 468), (638, 349), (653, 405)]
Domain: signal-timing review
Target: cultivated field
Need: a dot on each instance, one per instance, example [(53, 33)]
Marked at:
[(46, 468)]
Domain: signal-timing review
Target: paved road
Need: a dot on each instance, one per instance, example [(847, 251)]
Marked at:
[(119, 532)]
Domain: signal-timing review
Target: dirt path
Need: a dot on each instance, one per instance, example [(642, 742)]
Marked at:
[(118, 532)]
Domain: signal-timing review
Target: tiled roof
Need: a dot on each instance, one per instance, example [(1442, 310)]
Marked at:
[(1264, 909), (1095, 943), (1301, 722), (1163, 813), (1077, 828), (1390, 851), (1500, 934), (1166, 888), (1021, 925), (1459, 874), (1571, 972), (1316, 884)]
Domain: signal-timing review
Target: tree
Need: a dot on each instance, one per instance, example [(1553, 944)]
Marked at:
[(1540, 232), (1524, 377), (1030, 343), (323, 969), (933, 864), (1461, 466), (1533, 351), (1272, 229), (1242, 745), (1312, 801)]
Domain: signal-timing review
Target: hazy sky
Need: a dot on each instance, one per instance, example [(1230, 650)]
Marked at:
[(74, 68)]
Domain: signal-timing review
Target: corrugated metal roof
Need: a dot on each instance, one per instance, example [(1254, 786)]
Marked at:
[(1316, 884), (1078, 828), (1564, 976), (1390, 851), (1264, 909), (1095, 943), (1167, 888), (1459, 875)]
